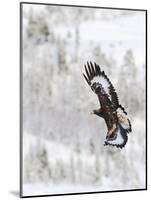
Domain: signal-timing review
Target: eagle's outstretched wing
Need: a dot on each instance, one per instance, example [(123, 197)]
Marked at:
[(113, 113), (97, 78)]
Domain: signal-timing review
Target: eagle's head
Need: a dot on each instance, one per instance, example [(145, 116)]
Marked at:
[(97, 112)]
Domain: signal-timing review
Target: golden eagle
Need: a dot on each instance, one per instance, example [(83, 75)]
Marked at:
[(110, 110)]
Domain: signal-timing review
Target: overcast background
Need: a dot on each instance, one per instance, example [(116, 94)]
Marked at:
[(63, 144)]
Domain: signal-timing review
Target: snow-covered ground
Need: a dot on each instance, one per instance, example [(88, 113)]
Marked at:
[(63, 148)]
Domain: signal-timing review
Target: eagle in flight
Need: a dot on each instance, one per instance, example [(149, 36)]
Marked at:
[(110, 110)]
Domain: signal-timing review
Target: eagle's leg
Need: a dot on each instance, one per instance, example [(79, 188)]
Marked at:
[(111, 131), (120, 118)]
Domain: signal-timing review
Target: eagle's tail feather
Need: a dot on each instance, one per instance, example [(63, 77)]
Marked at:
[(119, 138)]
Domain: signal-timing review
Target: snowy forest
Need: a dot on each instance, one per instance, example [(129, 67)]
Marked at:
[(63, 145)]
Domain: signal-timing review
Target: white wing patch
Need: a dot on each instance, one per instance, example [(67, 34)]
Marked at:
[(101, 80), (119, 139)]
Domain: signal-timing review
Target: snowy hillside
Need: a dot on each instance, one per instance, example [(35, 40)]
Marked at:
[(65, 170), (62, 143)]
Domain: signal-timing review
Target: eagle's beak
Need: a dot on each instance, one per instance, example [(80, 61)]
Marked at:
[(92, 112)]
